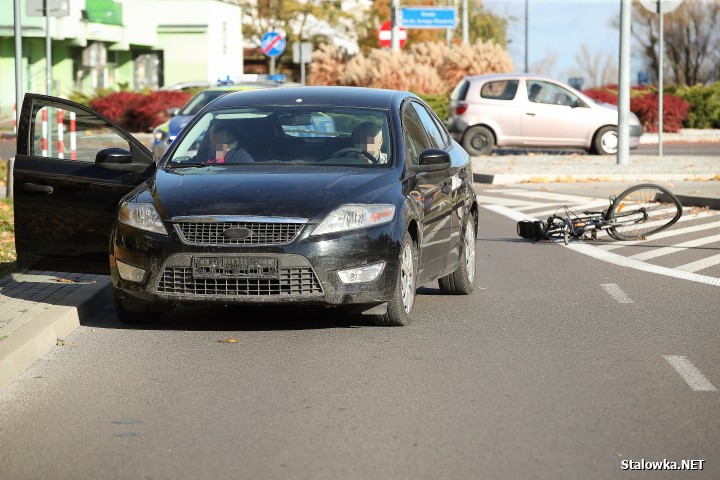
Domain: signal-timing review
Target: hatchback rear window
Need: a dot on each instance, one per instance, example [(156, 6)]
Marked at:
[(499, 90), (460, 90)]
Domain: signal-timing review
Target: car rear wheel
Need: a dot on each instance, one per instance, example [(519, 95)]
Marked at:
[(478, 140), (606, 141), (400, 306), (462, 280)]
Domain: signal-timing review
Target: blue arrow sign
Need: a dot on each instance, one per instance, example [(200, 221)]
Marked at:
[(272, 44), (429, 17)]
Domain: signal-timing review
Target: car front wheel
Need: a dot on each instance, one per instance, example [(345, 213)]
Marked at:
[(400, 306), (462, 280), (606, 141), (478, 140)]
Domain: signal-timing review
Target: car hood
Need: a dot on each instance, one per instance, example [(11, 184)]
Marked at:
[(177, 123), (278, 190)]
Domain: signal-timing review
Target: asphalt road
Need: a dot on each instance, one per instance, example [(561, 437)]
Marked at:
[(543, 372)]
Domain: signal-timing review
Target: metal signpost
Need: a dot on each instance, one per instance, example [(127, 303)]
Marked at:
[(272, 44), (302, 54), (661, 7), (47, 9)]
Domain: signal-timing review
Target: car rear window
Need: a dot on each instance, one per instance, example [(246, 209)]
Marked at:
[(499, 90), (460, 90)]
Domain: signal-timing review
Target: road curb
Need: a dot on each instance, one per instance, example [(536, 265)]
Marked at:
[(38, 336), (507, 178)]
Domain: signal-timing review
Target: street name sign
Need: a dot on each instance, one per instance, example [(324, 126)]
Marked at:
[(429, 17)]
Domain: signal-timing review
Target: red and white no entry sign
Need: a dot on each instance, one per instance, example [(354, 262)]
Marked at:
[(385, 35)]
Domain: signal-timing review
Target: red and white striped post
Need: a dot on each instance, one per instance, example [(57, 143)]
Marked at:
[(15, 118), (61, 134), (44, 132), (73, 145)]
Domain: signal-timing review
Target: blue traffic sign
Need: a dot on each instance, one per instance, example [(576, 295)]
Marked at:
[(272, 44), (429, 17)]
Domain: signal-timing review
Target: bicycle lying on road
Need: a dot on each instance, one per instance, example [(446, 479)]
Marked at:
[(635, 214)]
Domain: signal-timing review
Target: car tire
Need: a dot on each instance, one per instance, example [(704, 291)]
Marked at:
[(462, 280), (133, 312), (605, 141), (399, 308), (478, 140)]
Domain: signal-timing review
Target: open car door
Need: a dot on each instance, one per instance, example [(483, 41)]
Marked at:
[(72, 167)]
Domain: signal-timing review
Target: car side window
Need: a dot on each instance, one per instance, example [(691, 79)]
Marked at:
[(414, 134), (71, 135), (437, 139), (499, 90), (550, 94)]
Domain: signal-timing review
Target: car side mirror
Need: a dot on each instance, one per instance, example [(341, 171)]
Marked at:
[(174, 111), (117, 159), (432, 160)]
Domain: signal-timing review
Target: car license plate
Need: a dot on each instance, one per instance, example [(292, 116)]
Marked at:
[(234, 267)]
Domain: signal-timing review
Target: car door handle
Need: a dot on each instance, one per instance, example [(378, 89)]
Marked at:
[(532, 114), (34, 187)]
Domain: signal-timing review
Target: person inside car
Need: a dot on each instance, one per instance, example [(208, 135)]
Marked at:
[(224, 146), (534, 92), (368, 137)]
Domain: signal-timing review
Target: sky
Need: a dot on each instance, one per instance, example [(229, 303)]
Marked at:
[(560, 27)]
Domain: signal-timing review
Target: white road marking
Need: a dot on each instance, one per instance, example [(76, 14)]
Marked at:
[(616, 292), (694, 378), (666, 234), (659, 252), (610, 257), (700, 264), (579, 208), (560, 197), (509, 212), (510, 202)]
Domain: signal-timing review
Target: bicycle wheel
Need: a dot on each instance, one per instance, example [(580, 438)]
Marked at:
[(642, 210)]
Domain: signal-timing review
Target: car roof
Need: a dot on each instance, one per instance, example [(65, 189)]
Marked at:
[(510, 76), (329, 96)]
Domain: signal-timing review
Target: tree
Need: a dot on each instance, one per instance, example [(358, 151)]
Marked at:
[(596, 68), (691, 38)]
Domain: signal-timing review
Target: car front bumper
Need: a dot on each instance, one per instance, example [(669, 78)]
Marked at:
[(305, 270)]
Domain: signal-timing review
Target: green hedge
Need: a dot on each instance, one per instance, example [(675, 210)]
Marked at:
[(438, 102), (704, 103)]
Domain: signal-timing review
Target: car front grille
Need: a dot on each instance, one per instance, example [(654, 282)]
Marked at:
[(291, 281), (226, 232)]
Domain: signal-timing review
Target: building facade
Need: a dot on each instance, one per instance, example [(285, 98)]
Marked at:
[(135, 44)]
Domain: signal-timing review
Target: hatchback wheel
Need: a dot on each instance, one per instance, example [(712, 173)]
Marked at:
[(606, 141), (478, 140), (400, 306)]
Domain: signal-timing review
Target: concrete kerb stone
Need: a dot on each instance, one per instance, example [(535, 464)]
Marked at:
[(39, 335)]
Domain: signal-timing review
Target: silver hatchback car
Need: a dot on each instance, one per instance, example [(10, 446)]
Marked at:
[(515, 110)]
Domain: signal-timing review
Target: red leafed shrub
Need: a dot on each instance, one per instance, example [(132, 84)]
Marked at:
[(602, 94), (153, 110), (675, 112), (644, 104), (116, 105)]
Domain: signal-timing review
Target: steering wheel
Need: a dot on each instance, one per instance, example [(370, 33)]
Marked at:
[(347, 152)]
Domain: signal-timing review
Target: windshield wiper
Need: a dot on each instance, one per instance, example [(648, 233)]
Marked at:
[(188, 165)]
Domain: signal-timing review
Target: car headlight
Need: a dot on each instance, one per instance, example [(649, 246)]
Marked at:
[(143, 216), (633, 119), (355, 217)]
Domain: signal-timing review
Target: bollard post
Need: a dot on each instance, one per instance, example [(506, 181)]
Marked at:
[(9, 189)]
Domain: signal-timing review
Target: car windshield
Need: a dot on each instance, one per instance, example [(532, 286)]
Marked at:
[(289, 135), (200, 100)]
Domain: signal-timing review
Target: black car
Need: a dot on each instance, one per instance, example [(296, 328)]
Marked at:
[(334, 196)]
